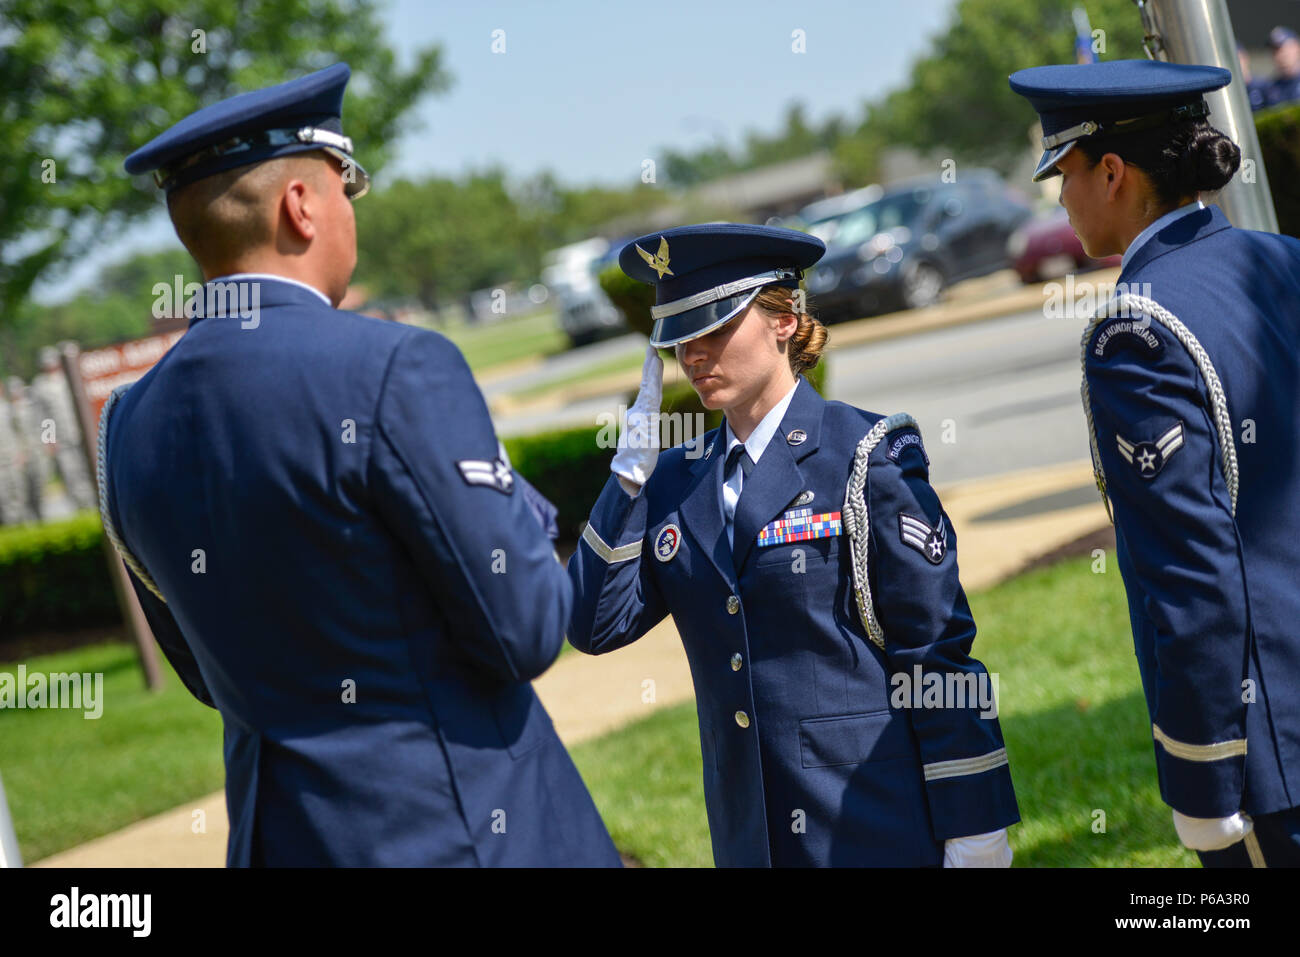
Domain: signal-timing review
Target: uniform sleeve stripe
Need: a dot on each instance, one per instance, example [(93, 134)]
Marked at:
[(1199, 752), (1170, 440), (607, 554), (964, 766)]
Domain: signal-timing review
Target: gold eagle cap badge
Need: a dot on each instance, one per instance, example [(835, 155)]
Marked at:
[(659, 261)]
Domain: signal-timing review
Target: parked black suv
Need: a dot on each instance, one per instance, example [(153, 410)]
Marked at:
[(901, 250)]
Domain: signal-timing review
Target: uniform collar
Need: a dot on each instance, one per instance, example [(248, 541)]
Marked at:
[(1167, 219), (269, 277), (763, 432), (770, 487), (1193, 225)]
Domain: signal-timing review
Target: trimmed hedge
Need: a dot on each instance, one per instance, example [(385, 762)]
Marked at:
[(53, 577), (568, 467), (1279, 142)]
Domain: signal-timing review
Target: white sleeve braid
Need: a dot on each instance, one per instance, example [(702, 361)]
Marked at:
[(857, 521), (101, 476), (1128, 305)]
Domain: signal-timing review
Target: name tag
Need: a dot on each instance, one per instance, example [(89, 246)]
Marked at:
[(799, 525)]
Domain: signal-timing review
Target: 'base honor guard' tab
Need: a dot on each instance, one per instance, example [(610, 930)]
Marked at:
[(905, 439), (1135, 335)]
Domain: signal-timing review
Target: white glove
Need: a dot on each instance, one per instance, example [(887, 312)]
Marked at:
[(638, 441), (1212, 833), (978, 850)]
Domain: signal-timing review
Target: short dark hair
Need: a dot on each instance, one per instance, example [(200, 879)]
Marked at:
[(1183, 158), (219, 217)]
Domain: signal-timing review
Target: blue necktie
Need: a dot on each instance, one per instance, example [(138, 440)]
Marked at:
[(741, 455)]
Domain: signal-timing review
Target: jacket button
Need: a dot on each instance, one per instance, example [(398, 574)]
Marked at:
[(742, 719), (736, 661), (733, 604)]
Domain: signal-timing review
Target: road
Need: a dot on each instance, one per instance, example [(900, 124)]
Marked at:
[(990, 397), (993, 396)]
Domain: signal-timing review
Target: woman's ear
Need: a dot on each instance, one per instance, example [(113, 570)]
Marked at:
[(1115, 170), (786, 325)]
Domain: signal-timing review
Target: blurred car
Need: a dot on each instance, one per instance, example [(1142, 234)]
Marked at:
[(901, 250), (822, 218), (571, 276), (1046, 247)]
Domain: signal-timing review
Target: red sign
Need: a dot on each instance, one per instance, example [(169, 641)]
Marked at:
[(103, 370)]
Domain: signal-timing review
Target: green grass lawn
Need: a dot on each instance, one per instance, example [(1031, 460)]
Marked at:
[(646, 781), (69, 778), (1075, 721), (484, 346), (1072, 713)]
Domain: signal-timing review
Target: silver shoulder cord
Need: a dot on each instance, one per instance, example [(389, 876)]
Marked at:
[(101, 477), (1129, 304), (856, 523)]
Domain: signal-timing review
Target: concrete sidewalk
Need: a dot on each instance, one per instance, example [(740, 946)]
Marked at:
[(1002, 523)]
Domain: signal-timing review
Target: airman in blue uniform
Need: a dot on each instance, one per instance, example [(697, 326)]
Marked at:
[(1192, 393), (326, 536), (811, 573)]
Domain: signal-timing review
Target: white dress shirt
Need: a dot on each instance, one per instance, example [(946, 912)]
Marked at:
[(754, 445), (1170, 217), (266, 275)]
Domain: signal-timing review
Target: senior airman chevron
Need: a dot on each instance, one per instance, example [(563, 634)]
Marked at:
[(799, 525)]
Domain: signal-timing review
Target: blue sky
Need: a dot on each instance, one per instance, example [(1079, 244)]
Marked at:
[(589, 89)]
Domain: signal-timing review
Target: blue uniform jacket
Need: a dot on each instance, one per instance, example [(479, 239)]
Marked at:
[(357, 583), (814, 750), (1189, 398)]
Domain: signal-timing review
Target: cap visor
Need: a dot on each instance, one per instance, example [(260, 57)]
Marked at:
[(356, 181), (700, 321), (1047, 165)]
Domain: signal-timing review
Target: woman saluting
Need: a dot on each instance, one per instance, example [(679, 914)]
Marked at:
[(811, 573), (1192, 392)]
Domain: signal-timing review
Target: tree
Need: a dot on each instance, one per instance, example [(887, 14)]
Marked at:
[(958, 98), (795, 139), (88, 81), (439, 239)]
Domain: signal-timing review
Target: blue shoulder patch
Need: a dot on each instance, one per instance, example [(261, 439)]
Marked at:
[(1136, 335), (902, 439)]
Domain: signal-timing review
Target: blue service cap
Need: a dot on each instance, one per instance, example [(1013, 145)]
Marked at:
[(1119, 96), (704, 276), (1279, 35), (293, 117)]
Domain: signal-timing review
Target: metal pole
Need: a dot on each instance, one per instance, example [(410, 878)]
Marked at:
[(132, 613), (9, 856), (1200, 32)]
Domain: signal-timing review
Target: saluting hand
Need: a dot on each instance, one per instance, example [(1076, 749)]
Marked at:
[(638, 441)]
